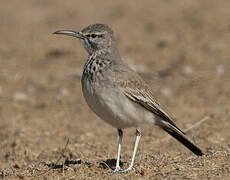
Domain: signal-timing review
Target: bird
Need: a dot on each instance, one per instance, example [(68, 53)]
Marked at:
[(117, 94)]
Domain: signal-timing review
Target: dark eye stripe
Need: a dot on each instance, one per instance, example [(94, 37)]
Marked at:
[(93, 35)]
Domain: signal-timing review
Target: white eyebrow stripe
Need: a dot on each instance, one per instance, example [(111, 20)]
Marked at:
[(96, 33)]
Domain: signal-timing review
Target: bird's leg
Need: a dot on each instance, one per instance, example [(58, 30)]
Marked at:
[(138, 136), (120, 135)]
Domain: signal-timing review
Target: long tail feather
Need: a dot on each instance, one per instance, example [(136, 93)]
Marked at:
[(180, 136)]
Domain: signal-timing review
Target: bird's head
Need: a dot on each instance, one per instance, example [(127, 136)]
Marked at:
[(93, 37)]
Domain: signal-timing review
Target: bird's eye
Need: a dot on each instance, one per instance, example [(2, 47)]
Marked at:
[(93, 35)]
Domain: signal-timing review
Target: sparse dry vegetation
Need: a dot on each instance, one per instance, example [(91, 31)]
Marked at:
[(48, 132)]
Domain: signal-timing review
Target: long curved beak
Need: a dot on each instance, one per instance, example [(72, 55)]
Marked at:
[(70, 33)]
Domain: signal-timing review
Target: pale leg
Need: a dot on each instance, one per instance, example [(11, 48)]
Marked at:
[(138, 136), (120, 135)]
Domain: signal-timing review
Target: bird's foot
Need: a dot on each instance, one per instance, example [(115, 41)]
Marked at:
[(119, 170)]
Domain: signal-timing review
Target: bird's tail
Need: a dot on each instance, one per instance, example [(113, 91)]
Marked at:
[(174, 131)]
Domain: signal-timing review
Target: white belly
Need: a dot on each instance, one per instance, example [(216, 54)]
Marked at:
[(114, 107)]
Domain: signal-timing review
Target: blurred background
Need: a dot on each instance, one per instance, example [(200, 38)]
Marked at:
[(181, 48)]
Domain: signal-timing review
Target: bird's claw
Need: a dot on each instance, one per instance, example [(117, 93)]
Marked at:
[(119, 170)]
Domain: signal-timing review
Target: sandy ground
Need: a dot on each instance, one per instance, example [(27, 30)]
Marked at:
[(48, 132)]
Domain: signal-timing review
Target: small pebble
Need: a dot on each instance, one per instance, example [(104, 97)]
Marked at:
[(166, 92), (64, 92), (220, 70), (20, 96), (187, 70)]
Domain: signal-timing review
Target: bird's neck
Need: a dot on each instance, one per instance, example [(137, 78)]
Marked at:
[(111, 53)]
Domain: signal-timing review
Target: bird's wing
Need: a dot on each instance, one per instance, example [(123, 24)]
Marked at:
[(135, 88)]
